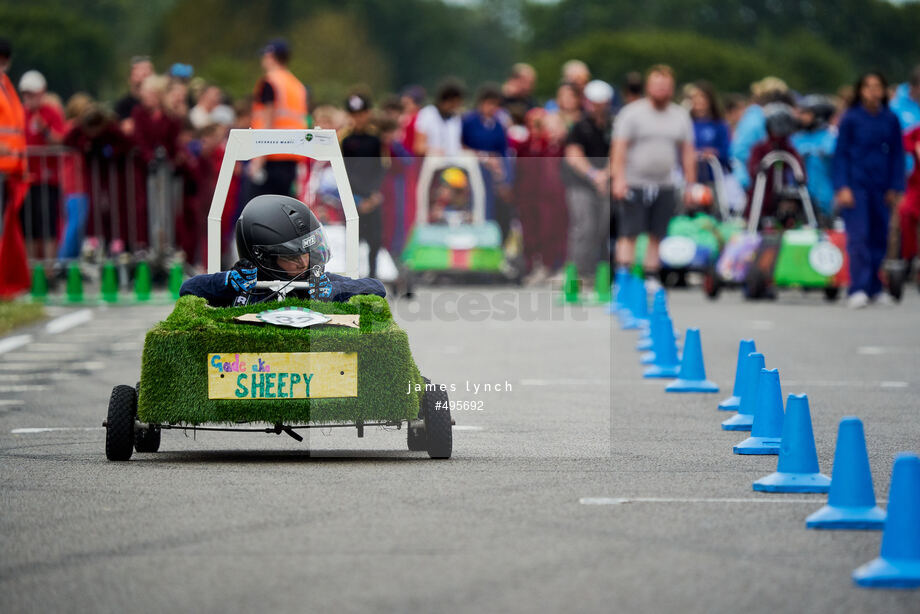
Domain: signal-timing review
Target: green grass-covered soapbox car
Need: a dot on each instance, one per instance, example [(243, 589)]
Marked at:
[(220, 368)]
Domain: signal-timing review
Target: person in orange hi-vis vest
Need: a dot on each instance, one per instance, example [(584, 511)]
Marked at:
[(14, 268), (280, 101)]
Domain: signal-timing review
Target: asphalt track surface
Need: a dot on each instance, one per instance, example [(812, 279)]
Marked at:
[(220, 522)]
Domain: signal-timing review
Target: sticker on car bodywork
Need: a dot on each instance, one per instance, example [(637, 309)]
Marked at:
[(295, 375)]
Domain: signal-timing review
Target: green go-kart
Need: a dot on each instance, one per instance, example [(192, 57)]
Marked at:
[(238, 369), (697, 235), (463, 246)]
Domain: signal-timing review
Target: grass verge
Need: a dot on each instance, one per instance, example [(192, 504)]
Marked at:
[(14, 314)]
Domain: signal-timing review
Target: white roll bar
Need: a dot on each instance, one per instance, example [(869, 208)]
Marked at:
[(246, 144), (776, 160), (718, 179)]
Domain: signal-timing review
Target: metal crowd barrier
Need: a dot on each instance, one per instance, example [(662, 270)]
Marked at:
[(90, 206)]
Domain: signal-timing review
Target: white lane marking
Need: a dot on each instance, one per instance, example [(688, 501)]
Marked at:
[(564, 382), (22, 388), (37, 376), (54, 429), (847, 383), (55, 347), (66, 322), (870, 350), (11, 403), (47, 358), (127, 346), (762, 325), (623, 500), (30, 367), (11, 343), (465, 427)]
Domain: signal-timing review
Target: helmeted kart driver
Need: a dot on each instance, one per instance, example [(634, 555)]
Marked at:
[(278, 239)]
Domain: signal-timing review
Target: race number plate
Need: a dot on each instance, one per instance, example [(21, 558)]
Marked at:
[(825, 258), (677, 252), (299, 375)]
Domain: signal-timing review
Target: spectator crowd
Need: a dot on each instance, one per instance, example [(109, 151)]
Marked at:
[(573, 179)]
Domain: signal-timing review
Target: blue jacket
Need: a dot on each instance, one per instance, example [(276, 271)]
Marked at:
[(908, 111), (714, 134), (214, 288), (870, 152), (817, 150), (751, 129), (906, 108)]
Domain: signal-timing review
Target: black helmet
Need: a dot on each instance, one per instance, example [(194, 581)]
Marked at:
[(821, 107), (781, 121), (274, 226)]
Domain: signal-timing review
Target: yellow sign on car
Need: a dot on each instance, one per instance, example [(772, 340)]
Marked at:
[(296, 375)]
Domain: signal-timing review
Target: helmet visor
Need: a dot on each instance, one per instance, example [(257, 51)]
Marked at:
[(312, 244)]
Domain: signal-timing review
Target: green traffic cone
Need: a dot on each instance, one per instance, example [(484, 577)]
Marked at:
[(39, 283), (109, 283), (142, 282), (74, 284), (570, 284), (175, 279), (602, 283)]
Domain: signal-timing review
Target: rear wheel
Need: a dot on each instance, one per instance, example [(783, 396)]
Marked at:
[(896, 278), (831, 293), (711, 284), (438, 428), (119, 424), (755, 284)]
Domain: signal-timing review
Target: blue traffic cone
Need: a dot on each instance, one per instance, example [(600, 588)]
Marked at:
[(750, 374), (692, 374), (638, 306), (797, 469), (733, 402), (767, 428), (898, 566), (851, 501), (626, 313), (659, 307), (666, 363), (619, 280)]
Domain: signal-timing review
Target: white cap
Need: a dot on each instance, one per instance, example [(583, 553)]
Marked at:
[(223, 114), (33, 82), (598, 91)]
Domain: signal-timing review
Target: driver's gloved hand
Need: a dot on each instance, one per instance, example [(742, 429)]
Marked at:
[(320, 287), (242, 277)]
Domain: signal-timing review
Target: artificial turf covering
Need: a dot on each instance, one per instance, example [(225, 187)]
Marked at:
[(174, 380)]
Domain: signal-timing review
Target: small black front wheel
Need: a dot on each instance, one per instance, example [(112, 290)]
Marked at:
[(831, 293), (438, 426), (148, 439), (416, 439), (119, 425)]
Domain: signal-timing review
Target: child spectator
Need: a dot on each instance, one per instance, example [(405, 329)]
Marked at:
[(44, 127)]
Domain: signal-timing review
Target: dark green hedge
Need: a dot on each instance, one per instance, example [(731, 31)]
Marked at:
[(174, 382)]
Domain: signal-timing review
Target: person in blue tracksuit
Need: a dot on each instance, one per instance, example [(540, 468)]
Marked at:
[(278, 238), (868, 179), (816, 142)]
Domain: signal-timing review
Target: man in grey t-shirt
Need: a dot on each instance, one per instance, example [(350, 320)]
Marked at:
[(651, 138)]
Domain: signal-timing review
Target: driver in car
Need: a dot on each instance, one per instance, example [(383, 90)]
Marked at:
[(278, 239)]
